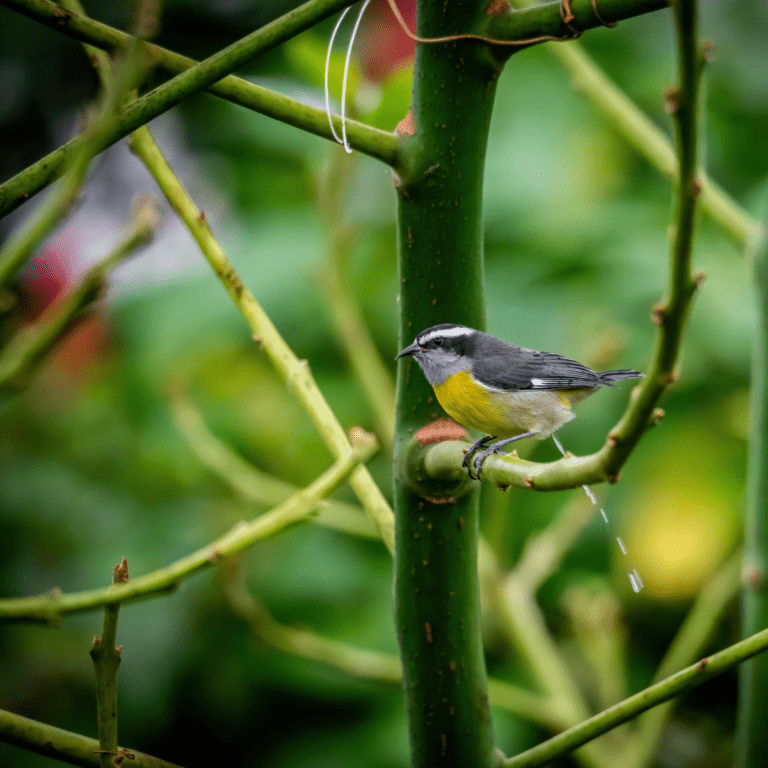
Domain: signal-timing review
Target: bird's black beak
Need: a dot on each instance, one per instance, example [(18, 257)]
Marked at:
[(412, 349)]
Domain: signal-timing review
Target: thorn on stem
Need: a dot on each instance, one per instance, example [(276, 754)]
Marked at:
[(658, 313), (695, 188), (406, 126), (671, 100), (497, 7), (702, 665), (201, 218), (120, 572), (707, 51)]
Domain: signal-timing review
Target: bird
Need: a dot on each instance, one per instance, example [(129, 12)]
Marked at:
[(505, 391)]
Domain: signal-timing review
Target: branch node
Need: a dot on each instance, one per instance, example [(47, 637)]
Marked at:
[(259, 341), (612, 439), (698, 280), (406, 126), (529, 482), (659, 313), (702, 665), (613, 479)]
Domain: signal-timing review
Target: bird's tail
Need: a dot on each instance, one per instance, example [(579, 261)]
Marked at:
[(608, 377)]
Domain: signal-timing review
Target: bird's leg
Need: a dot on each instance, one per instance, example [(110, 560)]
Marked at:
[(471, 452), (496, 448)]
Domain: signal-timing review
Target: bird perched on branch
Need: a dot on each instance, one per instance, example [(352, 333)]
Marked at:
[(500, 389)]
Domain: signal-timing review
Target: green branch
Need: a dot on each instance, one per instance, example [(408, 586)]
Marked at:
[(370, 141), (549, 19), (683, 681), (106, 662), (198, 77), (296, 509), (364, 663), (21, 357), (250, 483), (689, 643), (752, 739), (296, 372), (58, 744)]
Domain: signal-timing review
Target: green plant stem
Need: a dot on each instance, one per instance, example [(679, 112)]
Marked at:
[(683, 681), (546, 19), (21, 357), (58, 744), (296, 373), (640, 131), (370, 141), (364, 663), (51, 606), (106, 662), (688, 644), (139, 112), (440, 214), (752, 735), (252, 484)]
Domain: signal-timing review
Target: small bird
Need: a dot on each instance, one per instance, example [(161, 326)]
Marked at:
[(500, 389)]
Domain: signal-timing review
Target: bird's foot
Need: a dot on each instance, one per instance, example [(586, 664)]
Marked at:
[(470, 452)]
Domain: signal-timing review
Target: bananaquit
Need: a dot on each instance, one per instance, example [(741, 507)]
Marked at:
[(505, 391)]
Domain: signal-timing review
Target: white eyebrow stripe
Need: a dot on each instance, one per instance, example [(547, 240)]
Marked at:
[(444, 333)]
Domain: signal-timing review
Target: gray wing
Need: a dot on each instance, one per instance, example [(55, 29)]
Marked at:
[(510, 367)]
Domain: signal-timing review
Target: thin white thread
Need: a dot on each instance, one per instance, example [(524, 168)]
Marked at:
[(327, 67), (346, 72), (634, 576)]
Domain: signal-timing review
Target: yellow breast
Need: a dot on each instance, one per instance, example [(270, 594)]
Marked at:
[(502, 413)]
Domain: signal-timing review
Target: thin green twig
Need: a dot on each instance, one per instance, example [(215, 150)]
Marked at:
[(683, 681), (50, 607), (361, 662), (139, 112), (24, 353), (106, 662), (639, 130), (250, 483), (58, 744), (296, 372)]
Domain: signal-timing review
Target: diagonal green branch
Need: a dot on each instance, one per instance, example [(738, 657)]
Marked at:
[(648, 139), (21, 356), (56, 743), (46, 170), (549, 19), (296, 372), (370, 141), (683, 681), (302, 504)]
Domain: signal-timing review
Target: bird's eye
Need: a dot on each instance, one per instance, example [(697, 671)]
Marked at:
[(438, 342)]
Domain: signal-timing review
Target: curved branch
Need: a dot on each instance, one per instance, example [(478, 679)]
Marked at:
[(302, 504), (195, 78)]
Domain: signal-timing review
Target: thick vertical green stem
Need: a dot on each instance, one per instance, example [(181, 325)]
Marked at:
[(752, 741), (440, 256)]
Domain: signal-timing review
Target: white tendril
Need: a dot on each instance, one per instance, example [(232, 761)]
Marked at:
[(346, 72), (327, 67)]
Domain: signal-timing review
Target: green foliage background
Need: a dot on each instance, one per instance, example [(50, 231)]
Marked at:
[(94, 469)]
